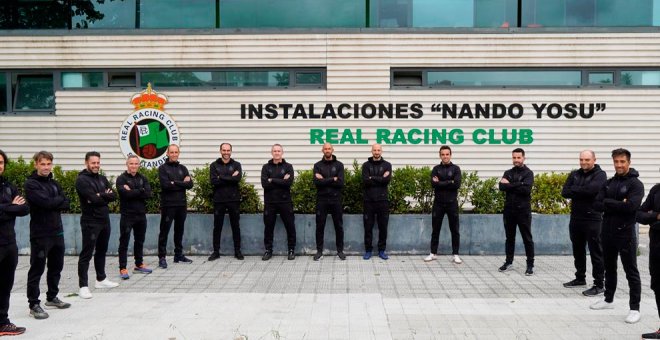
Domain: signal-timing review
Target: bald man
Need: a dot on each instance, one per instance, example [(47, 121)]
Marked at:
[(329, 180), (376, 176), (582, 187)]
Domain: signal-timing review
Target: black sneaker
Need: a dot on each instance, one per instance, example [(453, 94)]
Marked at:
[(238, 255), (214, 256), (291, 256), (162, 263), (593, 291), (38, 313), (529, 271), (575, 283), (57, 303), (654, 335), (181, 258), (267, 256), (11, 329), (341, 256), (318, 255), (506, 266)]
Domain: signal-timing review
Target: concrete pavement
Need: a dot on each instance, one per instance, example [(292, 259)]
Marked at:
[(402, 298)]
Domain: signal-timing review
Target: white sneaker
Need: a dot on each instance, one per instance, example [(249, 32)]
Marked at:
[(106, 284), (633, 316), (84, 293), (430, 258), (456, 259), (602, 304)]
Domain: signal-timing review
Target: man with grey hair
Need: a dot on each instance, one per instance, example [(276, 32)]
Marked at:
[(581, 187)]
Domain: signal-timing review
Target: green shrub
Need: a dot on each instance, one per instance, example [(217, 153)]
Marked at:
[(153, 203), (487, 198), (303, 192), (546, 194), (202, 193), (67, 180), (402, 186), (352, 194), (469, 182), (17, 171)]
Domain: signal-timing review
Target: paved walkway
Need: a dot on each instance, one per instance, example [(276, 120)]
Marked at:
[(403, 298)]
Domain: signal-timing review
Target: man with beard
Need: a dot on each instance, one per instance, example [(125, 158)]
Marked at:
[(134, 190), (376, 176), (95, 194), (174, 181), (517, 184), (11, 206), (649, 213), (329, 180), (226, 174), (46, 200), (619, 199), (582, 186)]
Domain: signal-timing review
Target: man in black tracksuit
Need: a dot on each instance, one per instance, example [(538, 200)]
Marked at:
[(11, 206), (174, 181), (517, 184), (226, 174), (649, 213), (445, 180), (134, 190), (95, 194), (619, 199), (582, 186), (276, 179), (329, 181), (46, 200), (376, 176)]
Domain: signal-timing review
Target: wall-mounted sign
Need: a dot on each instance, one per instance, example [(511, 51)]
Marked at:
[(149, 130)]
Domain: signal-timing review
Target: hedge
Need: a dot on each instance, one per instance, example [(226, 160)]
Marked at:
[(410, 190)]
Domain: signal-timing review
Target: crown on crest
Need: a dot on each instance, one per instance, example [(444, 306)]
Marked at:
[(149, 99)]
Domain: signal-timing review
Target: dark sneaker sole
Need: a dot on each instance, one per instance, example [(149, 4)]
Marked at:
[(39, 317), (47, 306), (11, 333)]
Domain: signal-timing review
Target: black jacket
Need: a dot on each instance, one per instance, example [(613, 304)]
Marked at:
[(93, 198), (650, 209), (9, 212), (582, 188), (225, 186), (47, 200), (173, 188), (133, 203), (327, 189), (278, 189), (519, 189), (449, 176), (619, 216), (375, 185)]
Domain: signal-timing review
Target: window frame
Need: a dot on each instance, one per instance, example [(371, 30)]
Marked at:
[(11, 107)]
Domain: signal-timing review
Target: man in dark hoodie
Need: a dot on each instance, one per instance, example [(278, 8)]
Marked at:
[(329, 180), (95, 194), (517, 185), (619, 199), (446, 180), (46, 200), (649, 213), (11, 206), (276, 179), (174, 181), (582, 186), (226, 174), (134, 190), (376, 176)]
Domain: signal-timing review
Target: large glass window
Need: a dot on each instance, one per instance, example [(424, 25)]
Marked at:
[(178, 13), (216, 79), (292, 13), (103, 14), (577, 13), (443, 13), (504, 78), (26, 14), (82, 79), (33, 92), (640, 78), (3, 92)]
